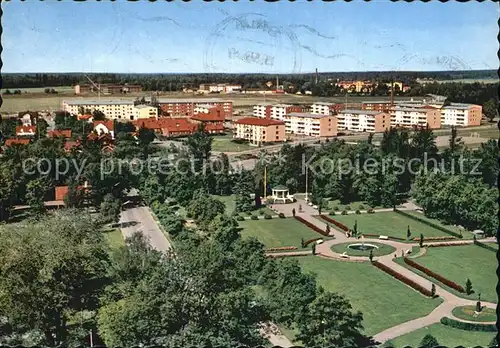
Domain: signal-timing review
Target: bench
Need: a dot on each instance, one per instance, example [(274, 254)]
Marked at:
[(383, 237)]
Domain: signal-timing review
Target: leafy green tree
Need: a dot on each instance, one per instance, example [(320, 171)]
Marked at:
[(408, 233), (490, 109), (204, 209), (244, 186), (75, 196), (98, 115), (433, 290), (35, 194), (423, 141), (488, 153), (468, 287), (330, 321), (41, 128), (428, 342), (51, 269), (199, 146), (421, 240), (152, 190), (110, 209)]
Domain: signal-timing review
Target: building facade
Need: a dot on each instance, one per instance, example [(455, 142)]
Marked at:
[(144, 111), (457, 114), (323, 108), (310, 124), (220, 87), (186, 107), (106, 88), (363, 121), (112, 109), (259, 130), (404, 116)]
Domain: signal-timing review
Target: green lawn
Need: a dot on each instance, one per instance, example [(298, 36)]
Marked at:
[(458, 263), (446, 336), (383, 249), (467, 313), (277, 232), (353, 205), (491, 133), (388, 224), (465, 234), (226, 143), (230, 203), (384, 301), (114, 238)]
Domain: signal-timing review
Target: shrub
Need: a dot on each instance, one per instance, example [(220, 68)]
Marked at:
[(240, 218), (335, 222), (336, 208), (281, 248), (370, 211), (249, 213), (255, 217), (332, 213), (468, 326), (311, 226), (347, 207), (402, 278), (437, 245), (435, 238), (267, 216), (434, 275), (428, 223), (261, 212), (281, 215), (344, 212), (358, 211), (361, 207)]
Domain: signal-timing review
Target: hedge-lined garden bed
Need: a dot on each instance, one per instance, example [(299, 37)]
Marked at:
[(467, 313), (428, 223), (434, 275), (311, 226), (407, 281), (342, 227), (468, 326)]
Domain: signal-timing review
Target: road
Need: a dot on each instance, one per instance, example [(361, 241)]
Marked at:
[(140, 219)]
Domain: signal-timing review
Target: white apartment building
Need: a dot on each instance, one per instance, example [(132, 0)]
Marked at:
[(363, 121), (457, 114), (112, 109), (322, 108), (405, 116), (310, 124)]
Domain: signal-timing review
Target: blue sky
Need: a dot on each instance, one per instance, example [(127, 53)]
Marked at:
[(284, 37)]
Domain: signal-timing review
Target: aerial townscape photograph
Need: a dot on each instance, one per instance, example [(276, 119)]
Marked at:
[(249, 174)]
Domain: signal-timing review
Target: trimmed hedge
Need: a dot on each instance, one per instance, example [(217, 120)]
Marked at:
[(358, 211), (434, 238), (446, 244), (267, 216), (311, 226), (434, 275), (254, 217), (402, 278), (335, 222), (377, 235), (483, 245), (281, 248), (371, 211), (281, 215), (307, 242), (428, 223), (344, 212), (468, 326), (240, 218)]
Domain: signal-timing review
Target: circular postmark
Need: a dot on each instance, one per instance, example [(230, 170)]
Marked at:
[(250, 42)]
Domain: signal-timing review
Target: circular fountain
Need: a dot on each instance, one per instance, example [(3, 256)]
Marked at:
[(362, 246)]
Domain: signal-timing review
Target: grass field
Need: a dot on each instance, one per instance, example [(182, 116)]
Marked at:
[(446, 336), (384, 301), (490, 133), (277, 232), (465, 234), (467, 313), (230, 203), (225, 143), (114, 238), (353, 205), (383, 249), (458, 263), (388, 224)]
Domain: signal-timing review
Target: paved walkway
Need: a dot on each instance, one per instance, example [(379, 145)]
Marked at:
[(450, 301)]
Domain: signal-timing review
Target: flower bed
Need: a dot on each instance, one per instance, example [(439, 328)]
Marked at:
[(434, 238), (447, 244), (281, 248), (307, 242), (434, 275), (311, 226), (428, 223), (468, 326), (402, 278), (335, 222)]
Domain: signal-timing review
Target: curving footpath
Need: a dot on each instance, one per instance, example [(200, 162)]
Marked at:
[(450, 301)]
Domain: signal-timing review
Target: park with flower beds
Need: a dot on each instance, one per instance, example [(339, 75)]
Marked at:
[(399, 283)]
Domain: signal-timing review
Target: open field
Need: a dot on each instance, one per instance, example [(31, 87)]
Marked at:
[(446, 336), (384, 301), (468, 133), (230, 203), (466, 234), (353, 205), (60, 89), (114, 238), (225, 143), (389, 224), (277, 232), (485, 80), (458, 263), (383, 249), (467, 313)]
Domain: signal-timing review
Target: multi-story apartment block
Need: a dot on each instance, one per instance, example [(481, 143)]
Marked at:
[(276, 111), (363, 121), (259, 130), (145, 111), (310, 124), (112, 109), (383, 105), (186, 107), (220, 87), (323, 108), (262, 110), (108, 89), (457, 114), (405, 116)]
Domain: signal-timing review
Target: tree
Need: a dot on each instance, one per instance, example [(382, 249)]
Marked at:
[(329, 321), (468, 287), (199, 146), (408, 233), (41, 128), (204, 208), (47, 90), (428, 342), (98, 115), (355, 229), (371, 255), (110, 209), (35, 194), (421, 240), (75, 196), (490, 109), (313, 248), (327, 230), (302, 242), (50, 270), (433, 290)]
